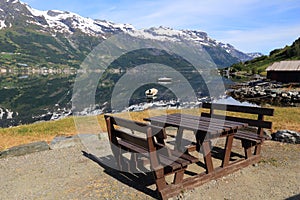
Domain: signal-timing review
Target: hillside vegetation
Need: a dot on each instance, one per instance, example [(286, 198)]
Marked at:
[(259, 65), (37, 49)]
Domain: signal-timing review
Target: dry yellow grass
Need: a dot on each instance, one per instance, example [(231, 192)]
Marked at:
[(284, 118), (35, 132)]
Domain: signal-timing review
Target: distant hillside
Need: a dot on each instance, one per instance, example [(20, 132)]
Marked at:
[(259, 64)]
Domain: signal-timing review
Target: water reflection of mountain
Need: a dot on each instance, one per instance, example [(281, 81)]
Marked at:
[(33, 97), (28, 98)]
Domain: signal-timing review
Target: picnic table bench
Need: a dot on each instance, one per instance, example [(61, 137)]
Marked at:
[(146, 143), (254, 135)]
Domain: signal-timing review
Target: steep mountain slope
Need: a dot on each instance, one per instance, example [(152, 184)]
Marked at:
[(47, 38), (59, 38)]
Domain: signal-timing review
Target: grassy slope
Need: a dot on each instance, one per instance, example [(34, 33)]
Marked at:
[(259, 65), (284, 118)]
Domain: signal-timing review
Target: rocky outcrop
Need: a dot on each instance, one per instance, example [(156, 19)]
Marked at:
[(25, 149), (59, 142), (287, 136), (266, 92)]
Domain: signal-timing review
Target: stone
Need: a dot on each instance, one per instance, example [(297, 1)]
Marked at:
[(287, 136), (268, 90), (268, 134), (61, 142), (25, 149)]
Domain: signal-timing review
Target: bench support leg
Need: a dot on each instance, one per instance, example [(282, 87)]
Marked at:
[(206, 148), (228, 147), (248, 152), (134, 162), (257, 149), (178, 177), (247, 148), (178, 139), (117, 152), (160, 181)]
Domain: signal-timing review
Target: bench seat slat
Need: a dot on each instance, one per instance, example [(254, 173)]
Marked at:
[(189, 158), (176, 161), (144, 152), (131, 138), (247, 136), (134, 148)]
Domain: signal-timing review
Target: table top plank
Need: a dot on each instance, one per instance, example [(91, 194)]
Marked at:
[(197, 123), (212, 122), (202, 118), (187, 125), (197, 118)]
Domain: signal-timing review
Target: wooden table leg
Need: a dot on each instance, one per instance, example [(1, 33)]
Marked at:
[(228, 147), (206, 148), (178, 139)]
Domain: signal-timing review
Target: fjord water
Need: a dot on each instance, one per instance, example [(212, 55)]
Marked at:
[(27, 98)]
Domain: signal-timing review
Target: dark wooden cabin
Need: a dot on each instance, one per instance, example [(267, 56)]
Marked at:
[(284, 71)]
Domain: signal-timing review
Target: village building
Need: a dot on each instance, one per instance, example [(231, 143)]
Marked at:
[(284, 71), (3, 70)]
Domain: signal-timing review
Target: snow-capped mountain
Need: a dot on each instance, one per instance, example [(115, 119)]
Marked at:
[(74, 33), (67, 22), (255, 54), (54, 20)]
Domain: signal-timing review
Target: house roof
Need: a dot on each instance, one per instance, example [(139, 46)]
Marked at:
[(285, 66)]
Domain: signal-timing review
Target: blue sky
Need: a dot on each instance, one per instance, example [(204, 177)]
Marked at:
[(249, 25)]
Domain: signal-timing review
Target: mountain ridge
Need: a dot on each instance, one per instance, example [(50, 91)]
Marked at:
[(60, 38)]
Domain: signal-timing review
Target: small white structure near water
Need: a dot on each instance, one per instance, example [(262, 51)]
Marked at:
[(164, 80)]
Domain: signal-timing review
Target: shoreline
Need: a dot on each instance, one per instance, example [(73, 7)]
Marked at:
[(264, 92)]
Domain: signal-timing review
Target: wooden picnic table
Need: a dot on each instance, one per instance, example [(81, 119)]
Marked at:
[(205, 129), (148, 145)]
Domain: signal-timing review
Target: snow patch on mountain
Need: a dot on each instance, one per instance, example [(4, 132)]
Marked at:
[(169, 34), (255, 54), (7, 114), (148, 34), (2, 24), (68, 22)]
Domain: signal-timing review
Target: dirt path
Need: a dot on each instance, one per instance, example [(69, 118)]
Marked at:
[(68, 174)]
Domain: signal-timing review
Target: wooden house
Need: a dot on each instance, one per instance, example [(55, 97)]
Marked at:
[(284, 71)]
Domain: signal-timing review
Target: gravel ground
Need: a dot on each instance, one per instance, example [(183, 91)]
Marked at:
[(68, 173)]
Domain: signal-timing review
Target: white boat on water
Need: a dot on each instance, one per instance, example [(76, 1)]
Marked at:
[(151, 93), (164, 80)]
